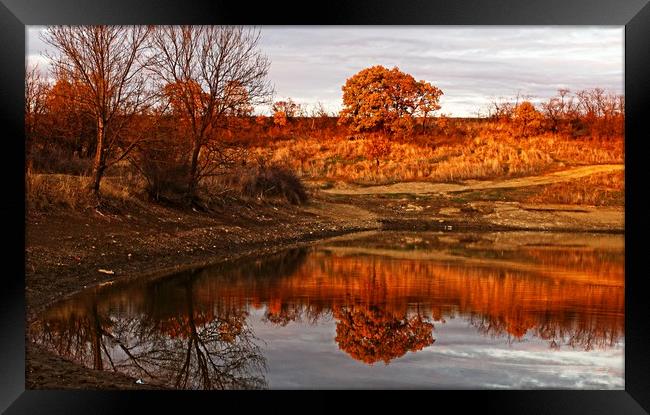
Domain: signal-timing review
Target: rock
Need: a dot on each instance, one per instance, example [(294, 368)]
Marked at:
[(449, 211), (413, 208)]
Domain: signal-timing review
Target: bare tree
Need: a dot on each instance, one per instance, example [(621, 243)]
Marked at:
[(211, 70), (36, 89), (109, 61)]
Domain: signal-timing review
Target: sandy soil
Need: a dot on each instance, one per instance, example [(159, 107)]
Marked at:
[(66, 249)]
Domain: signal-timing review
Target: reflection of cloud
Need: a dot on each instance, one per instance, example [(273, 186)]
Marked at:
[(311, 64), (530, 368), (304, 356)]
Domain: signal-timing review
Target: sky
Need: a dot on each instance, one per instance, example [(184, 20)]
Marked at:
[(472, 65)]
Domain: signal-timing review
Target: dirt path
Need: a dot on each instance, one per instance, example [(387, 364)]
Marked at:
[(427, 187), (345, 213)]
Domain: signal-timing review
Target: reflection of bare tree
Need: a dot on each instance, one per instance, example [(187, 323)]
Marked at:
[(369, 334), (197, 348), (79, 336), (201, 349)]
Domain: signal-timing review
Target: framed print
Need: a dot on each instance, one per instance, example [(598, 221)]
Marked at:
[(229, 199)]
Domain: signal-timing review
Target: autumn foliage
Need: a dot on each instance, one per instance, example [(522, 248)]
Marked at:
[(379, 99)]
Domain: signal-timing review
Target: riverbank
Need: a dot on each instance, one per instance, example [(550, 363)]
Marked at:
[(69, 250)]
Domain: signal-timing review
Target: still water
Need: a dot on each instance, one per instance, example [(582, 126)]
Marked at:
[(516, 310)]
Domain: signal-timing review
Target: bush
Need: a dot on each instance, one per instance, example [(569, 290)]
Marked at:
[(165, 182), (55, 159), (274, 181)]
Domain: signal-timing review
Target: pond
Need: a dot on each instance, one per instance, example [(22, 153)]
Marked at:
[(440, 310)]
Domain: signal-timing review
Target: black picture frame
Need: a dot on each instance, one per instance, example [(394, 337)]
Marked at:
[(633, 14)]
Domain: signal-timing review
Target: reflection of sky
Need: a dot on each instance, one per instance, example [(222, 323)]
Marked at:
[(472, 65), (301, 355)]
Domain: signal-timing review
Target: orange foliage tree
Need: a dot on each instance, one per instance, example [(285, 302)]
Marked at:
[(386, 100), (285, 111), (527, 120), (377, 147)]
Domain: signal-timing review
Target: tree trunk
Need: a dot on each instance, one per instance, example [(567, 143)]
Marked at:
[(98, 164), (194, 168)]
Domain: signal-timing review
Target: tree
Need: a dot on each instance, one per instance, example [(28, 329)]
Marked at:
[(109, 62), (379, 99), (527, 120), (377, 147), (211, 69), (69, 121), (36, 90), (427, 100), (285, 111)]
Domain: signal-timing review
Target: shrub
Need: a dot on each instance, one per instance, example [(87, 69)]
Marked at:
[(56, 159), (274, 181), (166, 182)]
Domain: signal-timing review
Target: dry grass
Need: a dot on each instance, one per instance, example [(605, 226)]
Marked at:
[(607, 189), (45, 191), (486, 154)]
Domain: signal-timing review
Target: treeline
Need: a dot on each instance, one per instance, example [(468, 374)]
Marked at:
[(590, 112)]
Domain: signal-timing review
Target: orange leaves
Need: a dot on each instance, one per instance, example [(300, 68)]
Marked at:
[(527, 120), (66, 96), (379, 99), (280, 118), (285, 111), (377, 147), (186, 98)]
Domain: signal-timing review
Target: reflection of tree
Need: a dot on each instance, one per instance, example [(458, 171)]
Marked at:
[(283, 264), (282, 314), (78, 336), (369, 334), (587, 333), (197, 348)]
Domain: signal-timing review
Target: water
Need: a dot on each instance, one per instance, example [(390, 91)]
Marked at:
[(376, 310)]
